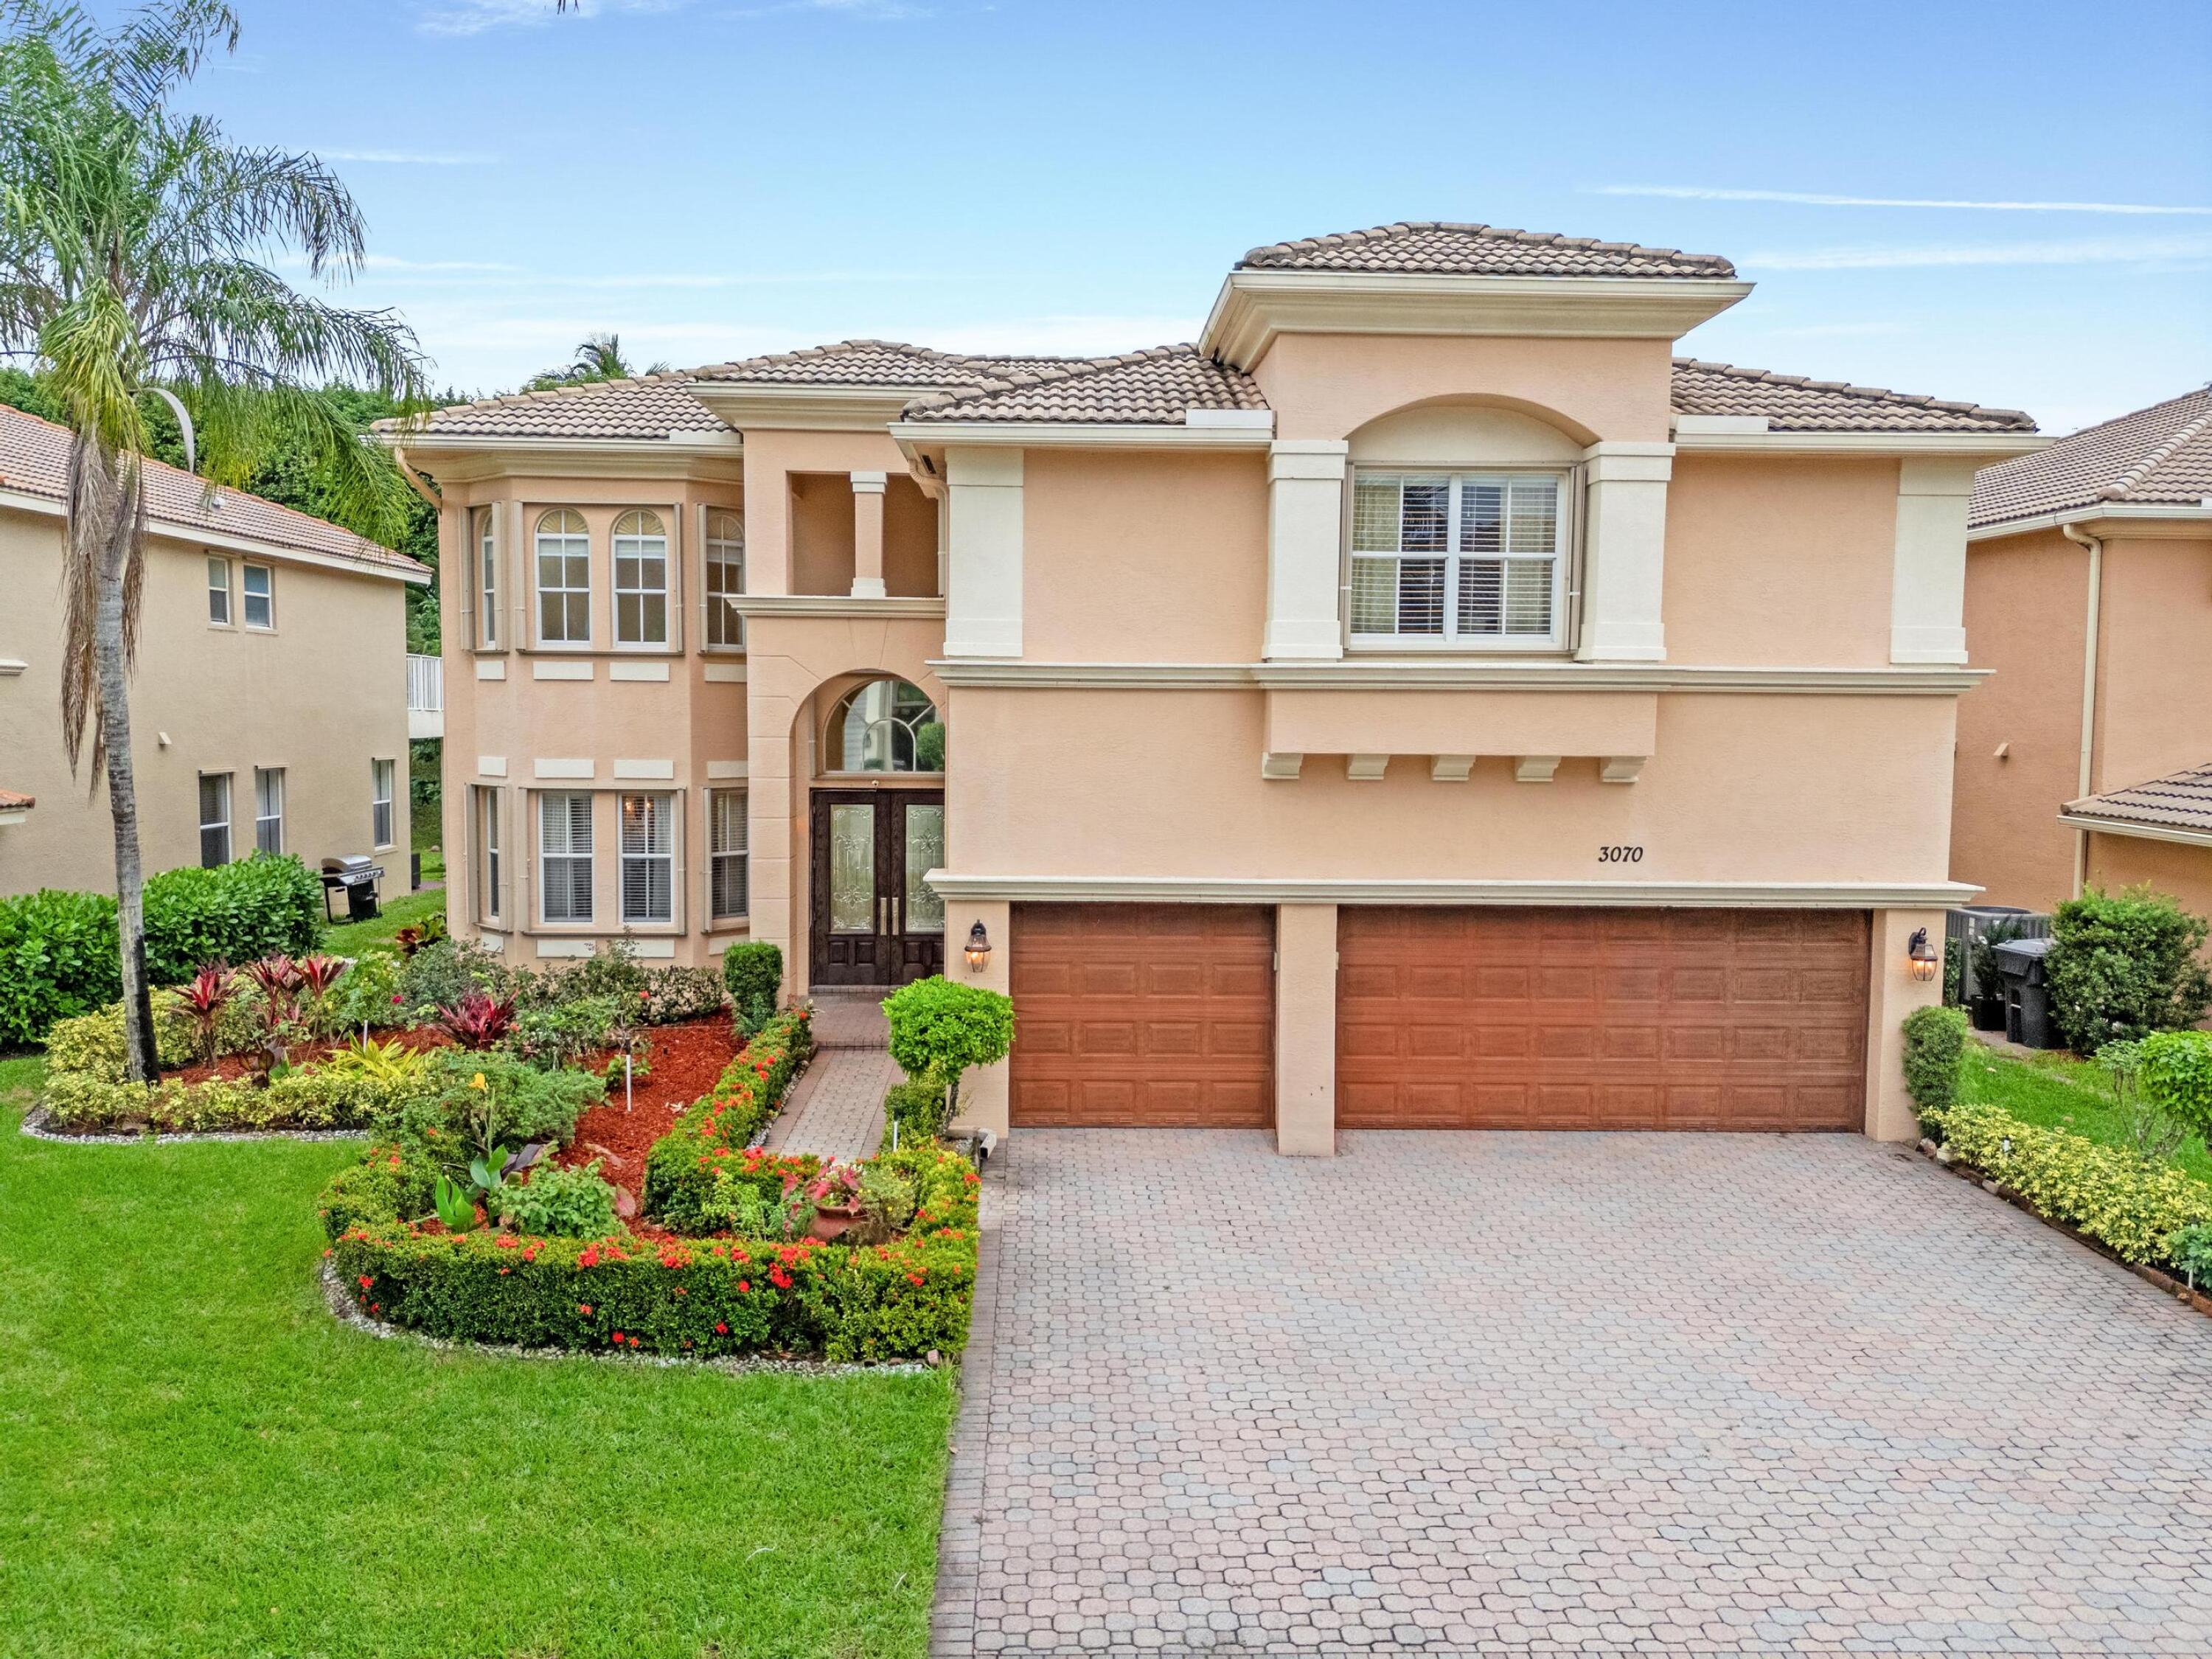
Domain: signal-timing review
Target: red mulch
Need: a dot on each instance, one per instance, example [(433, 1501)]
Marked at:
[(416, 1039), (686, 1059)]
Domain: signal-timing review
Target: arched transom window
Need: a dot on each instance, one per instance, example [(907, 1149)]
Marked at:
[(564, 579), (885, 726), (641, 554), (725, 579)]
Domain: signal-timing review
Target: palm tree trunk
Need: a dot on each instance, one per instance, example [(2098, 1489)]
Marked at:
[(142, 1056)]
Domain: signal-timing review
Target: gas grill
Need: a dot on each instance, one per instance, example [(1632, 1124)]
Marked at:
[(356, 877)]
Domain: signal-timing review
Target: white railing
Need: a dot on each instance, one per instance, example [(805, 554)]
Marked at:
[(426, 697)]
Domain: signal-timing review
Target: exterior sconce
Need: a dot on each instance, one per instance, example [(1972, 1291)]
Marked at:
[(979, 947), (1922, 956)]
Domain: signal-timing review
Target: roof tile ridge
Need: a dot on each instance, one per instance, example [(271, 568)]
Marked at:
[(539, 394), (2158, 454), (1876, 393), (1533, 238), (1022, 380)]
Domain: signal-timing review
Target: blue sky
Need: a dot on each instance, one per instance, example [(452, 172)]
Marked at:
[(713, 178)]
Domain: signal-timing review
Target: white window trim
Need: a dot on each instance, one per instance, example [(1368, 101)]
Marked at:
[(246, 597), (490, 835), (229, 617), (1565, 559), (275, 776), (486, 583), (661, 814), (666, 590), (709, 601), (538, 536), (741, 855), (223, 823), (567, 856), (383, 774)]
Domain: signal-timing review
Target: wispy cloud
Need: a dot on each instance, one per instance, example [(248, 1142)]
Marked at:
[(2096, 252), (412, 158), (464, 17), (1813, 198)]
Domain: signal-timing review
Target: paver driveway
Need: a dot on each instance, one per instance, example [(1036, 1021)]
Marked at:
[(1559, 1392)]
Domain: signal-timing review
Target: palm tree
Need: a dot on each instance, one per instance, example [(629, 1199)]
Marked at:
[(600, 358), (132, 242)]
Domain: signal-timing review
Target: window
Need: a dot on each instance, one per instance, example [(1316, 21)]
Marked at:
[(268, 808), (488, 872), (214, 819), (885, 726), (564, 579), (219, 591), (487, 580), (726, 581), (725, 853), (257, 581), (564, 856), (641, 550), (648, 859), (379, 802), (1459, 558)]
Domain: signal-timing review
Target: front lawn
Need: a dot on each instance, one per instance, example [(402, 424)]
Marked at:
[(405, 910), (2055, 1091), (200, 1461)]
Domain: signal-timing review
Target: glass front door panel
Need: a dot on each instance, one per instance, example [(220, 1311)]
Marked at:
[(925, 851), (852, 868)]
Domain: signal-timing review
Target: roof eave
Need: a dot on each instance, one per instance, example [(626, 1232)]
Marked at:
[(784, 405), (393, 567), (1994, 445), (2183, 834), (2178, 516), (1255, 306), (914, 437)]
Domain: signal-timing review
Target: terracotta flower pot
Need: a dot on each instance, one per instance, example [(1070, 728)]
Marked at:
[(831, 1221)]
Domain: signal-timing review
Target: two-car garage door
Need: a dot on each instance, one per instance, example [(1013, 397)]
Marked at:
[(1449, 1018)]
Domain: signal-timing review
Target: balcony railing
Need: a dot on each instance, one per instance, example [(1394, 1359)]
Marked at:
[(426, 697)]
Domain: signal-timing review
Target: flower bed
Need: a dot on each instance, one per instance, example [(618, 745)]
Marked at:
[(679, 1173)]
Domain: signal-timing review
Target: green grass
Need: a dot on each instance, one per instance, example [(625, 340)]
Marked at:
[(200, 1461), (349, 939), (2057, 1091)]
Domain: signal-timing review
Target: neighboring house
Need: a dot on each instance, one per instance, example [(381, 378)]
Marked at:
[(2084, 761), (1426, 701), (268, 709)]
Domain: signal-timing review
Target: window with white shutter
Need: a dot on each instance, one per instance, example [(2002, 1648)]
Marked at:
[(1474, 560), (564, 856), (648, 859)]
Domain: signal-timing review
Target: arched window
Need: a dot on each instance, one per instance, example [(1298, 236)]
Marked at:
[(564, 579), (726, 581), (641, 553), (885, 726)]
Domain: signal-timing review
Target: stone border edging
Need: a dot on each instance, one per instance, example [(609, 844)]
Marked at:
[(35, 1122), (342, 1308), (960, 1525), (2165, 1283)]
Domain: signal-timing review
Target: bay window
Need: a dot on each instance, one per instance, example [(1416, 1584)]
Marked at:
[(1475, 560)]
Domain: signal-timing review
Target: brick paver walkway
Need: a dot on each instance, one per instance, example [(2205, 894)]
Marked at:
[(837, 1109), (1594, 1393)]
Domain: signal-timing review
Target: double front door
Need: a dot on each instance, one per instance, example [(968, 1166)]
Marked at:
[(875, 919)]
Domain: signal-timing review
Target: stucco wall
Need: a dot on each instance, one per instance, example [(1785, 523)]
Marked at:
[(2184, 872), (320, 695), (2154, 705)]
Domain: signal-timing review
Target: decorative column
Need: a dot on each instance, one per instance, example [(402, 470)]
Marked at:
[(1305, 538), (868, 535), (1305, 1030), (1928, 576), (1624, 552), (983, 593), (1892, 994)]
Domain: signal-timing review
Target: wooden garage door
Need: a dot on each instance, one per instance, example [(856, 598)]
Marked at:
[(1158, 1015), (1600, 1019)]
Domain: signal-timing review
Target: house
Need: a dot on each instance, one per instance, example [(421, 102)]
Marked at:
[(2086, 761), (268, 707), (1426, 701)]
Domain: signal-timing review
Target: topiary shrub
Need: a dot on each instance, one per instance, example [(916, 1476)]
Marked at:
[(941, 1025), (1935, 1042), (2173, 1069), (753, 970), (2124, 965)]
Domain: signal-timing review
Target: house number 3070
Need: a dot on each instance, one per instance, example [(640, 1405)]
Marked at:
[(1621, 855)]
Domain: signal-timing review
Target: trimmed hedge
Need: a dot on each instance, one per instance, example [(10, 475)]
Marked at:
[(298, 1100), (1935, 1042), (2124, 965), (59, 954), (679, 1170), (2114, 1197), (919, 1106), (687, 1297), (92, 1043)]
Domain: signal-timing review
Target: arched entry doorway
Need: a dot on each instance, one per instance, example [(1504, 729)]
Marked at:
[(877, 826)]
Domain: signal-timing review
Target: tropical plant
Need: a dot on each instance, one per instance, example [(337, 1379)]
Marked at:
[(599, 358), (939, 1024), (457, 1204), (428, 931), (319, 975), (134, 248), (392, 1062), (210, 992), (279, 980), (560, 1203), (477, 1021), (836, 1187)]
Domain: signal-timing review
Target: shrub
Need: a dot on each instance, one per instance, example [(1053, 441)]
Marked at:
[(557, 1034), (442, 972), (92, 1043), (752, 968), (58, 957), (2108, 1193), (381, 1062), (761, 1194), (310, 1099), (561, 1203), (2189, 1251), (2147, 1128), (940, 1025), (2175, 1071), (2122, 966), (390, 1181), (678, 993), (451, 1118), (366, 995), (477, 1021), (1935, 1041), (920, 1107), (679, 1170)]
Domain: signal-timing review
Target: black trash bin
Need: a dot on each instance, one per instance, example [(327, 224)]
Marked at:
[(2026, 993)]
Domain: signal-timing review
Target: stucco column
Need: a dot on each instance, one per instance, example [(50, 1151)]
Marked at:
[(1892, 994), (1624, 552), (1305, 1030), (983, 1090), (983, 593), (1928, 573), (868, 535), (1305, 537)]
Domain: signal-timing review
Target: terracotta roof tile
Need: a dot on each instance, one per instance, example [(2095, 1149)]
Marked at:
[(890, 363), (12, 802), (652, 406), (2180, 800), (2160, 456), (35, 459), (1792, 403), (1438, 247), (1143, 388)]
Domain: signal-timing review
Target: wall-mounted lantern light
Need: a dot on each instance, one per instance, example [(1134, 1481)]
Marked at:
[(1921, 955), (979, 947)]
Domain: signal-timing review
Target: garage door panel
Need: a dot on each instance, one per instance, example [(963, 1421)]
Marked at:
[(1645, 1018), (1147, 1015)]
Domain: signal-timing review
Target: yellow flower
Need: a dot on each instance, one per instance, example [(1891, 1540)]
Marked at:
[(476, 1082)]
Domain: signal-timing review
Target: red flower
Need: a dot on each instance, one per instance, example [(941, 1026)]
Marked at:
[(721, 1329), (680, 1290), (503, 1272), (590, 1258), (914, 1279), (585, 1309), (366, 1281), (780, 1279), (744, 1285), (618, 1338)]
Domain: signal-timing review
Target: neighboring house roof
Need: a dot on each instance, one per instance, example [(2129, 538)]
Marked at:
[(876, 363), (2181, 800), (34, 459), (650, 407), (12, 802), (1438, 247), (1147, 388), (1792, 403), (2160, 456)]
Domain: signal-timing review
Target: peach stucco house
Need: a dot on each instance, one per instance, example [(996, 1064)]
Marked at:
[(2087, 758), (269, 706), (1426, 701)]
